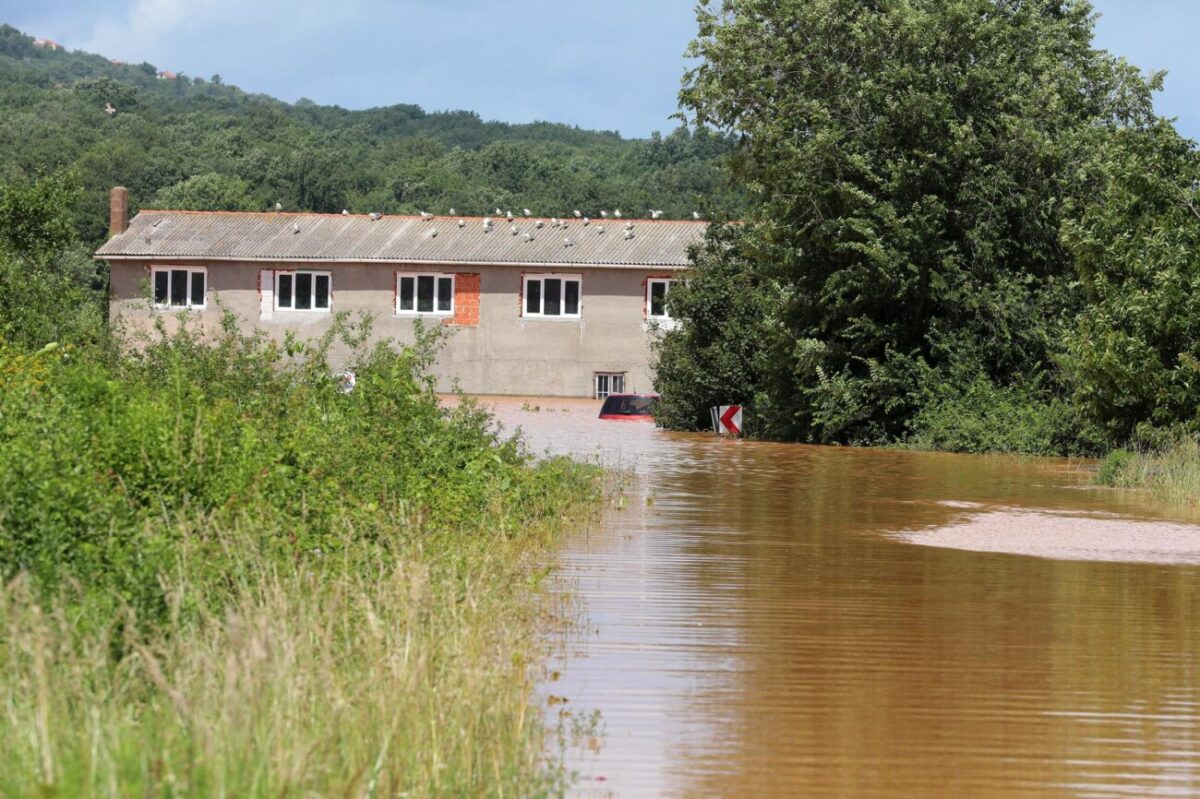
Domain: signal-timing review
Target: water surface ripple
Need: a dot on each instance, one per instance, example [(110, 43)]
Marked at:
[(756, 628)]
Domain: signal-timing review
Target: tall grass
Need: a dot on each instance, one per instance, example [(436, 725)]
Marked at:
[(225, 578), (1172, 474)]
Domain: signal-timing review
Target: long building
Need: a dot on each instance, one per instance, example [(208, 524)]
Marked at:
[(533, 305)]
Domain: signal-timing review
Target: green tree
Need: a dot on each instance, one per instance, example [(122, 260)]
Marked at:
[(1135, 234), (715, 359), (36, 218), (49, 287), (906, 162), (208, 192)]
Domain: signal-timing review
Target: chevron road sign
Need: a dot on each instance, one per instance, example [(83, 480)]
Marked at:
[(727, 420)]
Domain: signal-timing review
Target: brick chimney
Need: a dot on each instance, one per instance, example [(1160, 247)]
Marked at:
[(118, 211)]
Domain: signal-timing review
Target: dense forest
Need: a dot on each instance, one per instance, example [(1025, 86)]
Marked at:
[(200, 143), (966, 229)]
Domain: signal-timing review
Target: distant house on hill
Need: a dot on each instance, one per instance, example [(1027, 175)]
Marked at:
[(167, 74), (535, 306), (47, 44)]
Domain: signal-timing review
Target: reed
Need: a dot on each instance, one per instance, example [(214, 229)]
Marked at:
[(405, 677), (1172, 474)]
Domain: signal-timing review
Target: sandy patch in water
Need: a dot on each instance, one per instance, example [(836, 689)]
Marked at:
[(1063, 536)]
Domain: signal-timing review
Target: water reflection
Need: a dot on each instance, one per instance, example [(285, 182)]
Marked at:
[(757, 630)]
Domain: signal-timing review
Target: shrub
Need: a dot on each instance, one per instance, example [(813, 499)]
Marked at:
[(107, 462)]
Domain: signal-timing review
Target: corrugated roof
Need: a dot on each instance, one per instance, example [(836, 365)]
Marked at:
[(234, 236)]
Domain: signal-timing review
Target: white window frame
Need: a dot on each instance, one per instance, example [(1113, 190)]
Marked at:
[(610, 379), (155, 271), (665, 316), (541, 277), (279, 273), (437, 276)]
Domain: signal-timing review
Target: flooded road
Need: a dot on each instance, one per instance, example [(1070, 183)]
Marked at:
[(757, 626)]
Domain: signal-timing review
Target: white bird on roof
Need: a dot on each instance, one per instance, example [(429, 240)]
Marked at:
[(498, 212), (577, 214), (599, 228), (538, 224), (514, 229), (509, 215), (487, 223), (527, 212), (376, 216), (433, 233), (617, 213), (604, 214), (295, 227), (462, 223), (629, 226), (345, 212), (528, 237), (452, 212), (587, 221), (628, 234), (426, 215), (278, 206), (655, 214), (568, 243)]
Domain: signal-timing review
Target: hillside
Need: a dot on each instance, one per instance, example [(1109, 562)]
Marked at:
[(200, 143)]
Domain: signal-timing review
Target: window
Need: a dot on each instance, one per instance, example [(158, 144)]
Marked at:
[(609, 383), (425, 294), (179, 286), (656, 298), (552, 296), (303, 291)]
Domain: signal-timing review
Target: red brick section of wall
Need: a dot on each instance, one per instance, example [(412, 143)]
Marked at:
[(466, 300)]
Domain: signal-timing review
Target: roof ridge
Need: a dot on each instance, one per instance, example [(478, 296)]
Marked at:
[(415, 217)]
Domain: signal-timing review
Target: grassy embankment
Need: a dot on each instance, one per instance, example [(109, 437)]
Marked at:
[(1171, 474), (224, 577)]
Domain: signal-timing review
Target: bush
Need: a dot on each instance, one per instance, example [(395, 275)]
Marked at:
[(107, 461), (1115, 467), (978, 416)]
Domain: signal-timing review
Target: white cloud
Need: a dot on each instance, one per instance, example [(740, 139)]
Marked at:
[(143, 32)]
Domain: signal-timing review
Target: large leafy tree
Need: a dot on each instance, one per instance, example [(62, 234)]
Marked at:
[(49, 288), (1135, 354), (907, 162)]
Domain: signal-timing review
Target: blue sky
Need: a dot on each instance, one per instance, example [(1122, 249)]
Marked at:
[(610, 65)]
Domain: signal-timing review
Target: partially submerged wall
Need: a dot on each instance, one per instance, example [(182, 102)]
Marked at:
[(492, 348)]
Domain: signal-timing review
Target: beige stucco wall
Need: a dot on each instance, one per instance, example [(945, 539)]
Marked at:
[(504, 354)]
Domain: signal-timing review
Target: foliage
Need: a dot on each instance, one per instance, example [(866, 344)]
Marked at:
[(715, 358), (906, 164), (222, 575), (1135, 353), (208, 144), (1026, 416), (207, 192), (36, 217), (105, 463), (1170, 473), (49, 289)]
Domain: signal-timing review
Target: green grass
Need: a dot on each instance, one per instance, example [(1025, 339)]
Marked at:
[(1172, 475), (223, 577)]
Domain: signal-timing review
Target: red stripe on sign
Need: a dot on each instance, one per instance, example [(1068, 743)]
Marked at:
[(727, 419)]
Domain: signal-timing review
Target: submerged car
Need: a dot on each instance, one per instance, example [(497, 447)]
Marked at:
[(629, 407)]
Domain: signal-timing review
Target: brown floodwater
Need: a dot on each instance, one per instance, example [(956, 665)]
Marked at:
[(759, 623)]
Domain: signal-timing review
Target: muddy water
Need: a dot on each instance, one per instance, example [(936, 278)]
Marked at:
[(756, 628)]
